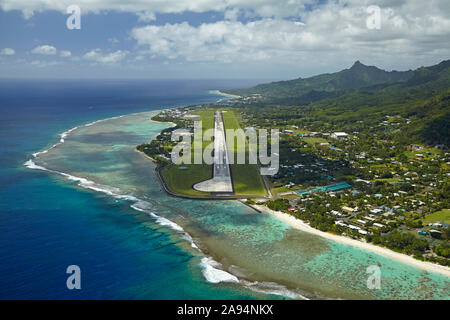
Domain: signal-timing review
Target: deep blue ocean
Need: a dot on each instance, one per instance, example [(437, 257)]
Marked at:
[(47, 224)]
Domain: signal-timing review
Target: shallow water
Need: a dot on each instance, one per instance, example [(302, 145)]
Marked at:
[(263, 252)]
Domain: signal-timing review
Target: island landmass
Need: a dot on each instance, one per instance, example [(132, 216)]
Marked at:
[(363, 157)]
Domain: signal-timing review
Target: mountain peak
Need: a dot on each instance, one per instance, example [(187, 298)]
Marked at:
[(328, 85), (358, 64)]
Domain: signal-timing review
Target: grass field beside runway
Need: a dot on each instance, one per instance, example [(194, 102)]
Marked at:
[(246, 178)]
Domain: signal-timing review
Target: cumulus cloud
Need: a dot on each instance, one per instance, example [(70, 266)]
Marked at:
[(223, 41), (146, 16), (44, 49), (262, 8), (65, 53), (410, 30), (43, 64), (7, 52), (265, 8), (291, 32), (231, 14), (113, 57)]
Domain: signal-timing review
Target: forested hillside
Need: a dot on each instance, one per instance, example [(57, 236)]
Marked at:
[(343, 98)]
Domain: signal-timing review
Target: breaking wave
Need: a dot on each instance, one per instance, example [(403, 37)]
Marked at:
[(211, 269), (215, 275)]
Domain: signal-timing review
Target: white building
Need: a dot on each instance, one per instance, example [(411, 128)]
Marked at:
[(350, 209), (379, 225), (339, 135), (336, 213)]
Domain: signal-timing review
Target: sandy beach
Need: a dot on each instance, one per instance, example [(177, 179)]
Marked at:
[(161, 122), (228, 95), (301, 225)]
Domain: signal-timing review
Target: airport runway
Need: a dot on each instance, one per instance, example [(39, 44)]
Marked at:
[(221, 181)]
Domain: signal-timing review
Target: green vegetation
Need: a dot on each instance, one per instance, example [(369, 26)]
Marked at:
[(247, 181), (158, 147), (422, 96), (278, 204), (282, 189), (324, 86), (395, 155), (443, 250), (403, 242), (246, 177), (181, 180), (313, 140), (438, 216)]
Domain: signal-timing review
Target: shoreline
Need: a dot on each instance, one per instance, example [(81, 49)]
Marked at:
[(213, 271), (163, 122), (175, 227), (218, 92), (385, 252)]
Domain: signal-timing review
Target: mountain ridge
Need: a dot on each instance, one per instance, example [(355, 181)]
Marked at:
[(423, 95), (327, 85)]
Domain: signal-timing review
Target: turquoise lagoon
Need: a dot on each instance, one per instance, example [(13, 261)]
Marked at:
[(231, 246)]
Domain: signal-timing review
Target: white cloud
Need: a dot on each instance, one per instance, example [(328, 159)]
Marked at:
[(43, 64), (332, 34), (113, 57), (44, 49), (146, 16), (231, 14), (412, 31), (224, 41), (65, 53), (262, 8), (7, 52), (265, 8)]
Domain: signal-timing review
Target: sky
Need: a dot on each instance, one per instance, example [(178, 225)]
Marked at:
[(218, 39)]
